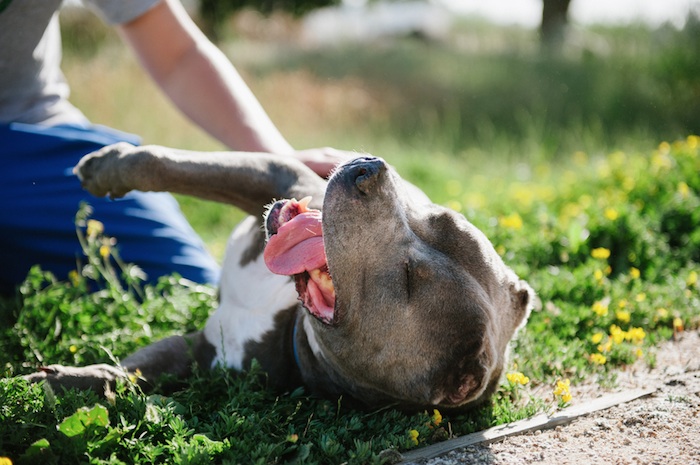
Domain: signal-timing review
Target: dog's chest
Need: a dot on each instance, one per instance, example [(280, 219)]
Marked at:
[(250, 297)]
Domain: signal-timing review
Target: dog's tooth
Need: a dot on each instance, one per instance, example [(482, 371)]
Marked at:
[(304, 204)]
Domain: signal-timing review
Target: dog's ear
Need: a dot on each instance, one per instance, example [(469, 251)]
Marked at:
[(522, 298)]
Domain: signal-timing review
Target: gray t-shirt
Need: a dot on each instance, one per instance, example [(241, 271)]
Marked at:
[(32, 86)]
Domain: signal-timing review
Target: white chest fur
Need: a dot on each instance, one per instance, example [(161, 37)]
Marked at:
[(250, 296)]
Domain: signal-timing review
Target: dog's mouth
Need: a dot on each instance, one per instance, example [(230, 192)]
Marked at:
[(295, 248)]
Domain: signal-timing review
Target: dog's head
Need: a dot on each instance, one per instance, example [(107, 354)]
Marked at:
[(407, 301)]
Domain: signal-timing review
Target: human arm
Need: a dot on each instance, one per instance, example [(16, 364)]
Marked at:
[(206, 87)]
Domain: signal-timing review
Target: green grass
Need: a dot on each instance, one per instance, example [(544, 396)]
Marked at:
[(574, 188)]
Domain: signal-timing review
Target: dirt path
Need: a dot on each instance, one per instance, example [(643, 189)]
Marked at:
[(660, 429)]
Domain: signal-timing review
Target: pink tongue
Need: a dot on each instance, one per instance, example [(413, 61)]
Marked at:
[(297, 246)]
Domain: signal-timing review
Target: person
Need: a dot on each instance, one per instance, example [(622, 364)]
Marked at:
[(42, 136)]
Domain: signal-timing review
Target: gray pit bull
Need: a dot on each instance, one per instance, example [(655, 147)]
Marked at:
[(385, 297)]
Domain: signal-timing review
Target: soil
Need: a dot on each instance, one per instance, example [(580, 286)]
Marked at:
[(662, 429)]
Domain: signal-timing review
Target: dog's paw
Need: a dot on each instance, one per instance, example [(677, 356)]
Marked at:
[(91, 377), (104, 172)]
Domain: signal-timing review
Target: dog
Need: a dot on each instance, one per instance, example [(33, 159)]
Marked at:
[(384, 297)]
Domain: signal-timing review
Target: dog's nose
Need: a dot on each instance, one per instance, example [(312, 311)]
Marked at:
[(365, 172)]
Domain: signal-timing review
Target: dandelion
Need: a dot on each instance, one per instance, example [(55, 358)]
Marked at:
[(413, 436), (600, 308), (512, 221), (73, 349), (436, 418), (517, 378), (611, 214), (692, 279), (623, 316), (94, 228), (634, 273), (5, 461), (598, 275), (600, 253), (563, 390), (598, 359)]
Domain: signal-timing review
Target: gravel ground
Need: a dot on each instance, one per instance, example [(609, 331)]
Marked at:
[(660, 429)]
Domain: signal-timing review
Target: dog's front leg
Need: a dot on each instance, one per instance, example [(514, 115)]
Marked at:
[(247, 180)]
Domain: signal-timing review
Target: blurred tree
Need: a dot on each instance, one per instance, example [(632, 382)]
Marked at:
[(554, 22), (214, 13)]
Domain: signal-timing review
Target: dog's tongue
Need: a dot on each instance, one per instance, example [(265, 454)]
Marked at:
[(297, 246)]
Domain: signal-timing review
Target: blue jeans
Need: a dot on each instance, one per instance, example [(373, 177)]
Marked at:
[(39, 197)]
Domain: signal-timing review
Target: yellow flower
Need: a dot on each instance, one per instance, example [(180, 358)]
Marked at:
[(693, 142), (641, 297), (73, 349), (563, 390), (600, 253), (74, 277), (436, 418), (104, 251), (692, 278), (623, 316), (598, 359), (661, 313), (683, 190), (94, 228), (636, 335), (600, 308), (639, 353), (598, 275), (678, 324), (517, 378), (597, 337), (512, 221), (634, 273), (617, 334), (611, 214), (5, 461), (413, 436)]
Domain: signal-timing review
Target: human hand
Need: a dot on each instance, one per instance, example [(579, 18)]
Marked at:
[(323, 160)]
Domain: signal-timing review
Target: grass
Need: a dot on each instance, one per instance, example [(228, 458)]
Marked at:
[(583, 199)]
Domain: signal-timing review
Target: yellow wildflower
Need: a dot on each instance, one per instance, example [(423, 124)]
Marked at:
[(413, 436), (678, 325), (597, 337), (512, 221), (562, 390), (641, 297), (94, 228), (622, 303), (517, 378), (683, 190), (600, 308), (634, 273), (639, 352), (436, 418), (607, 347), (611, 214), (693, 142), (455, 205), (692, 278), (104, 251), (598, 275), (617, 334), (598, 359), (636, 335), (600, 253), (74, 277), (661, 313), (623, 316), (73, 349), (5, 461)]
